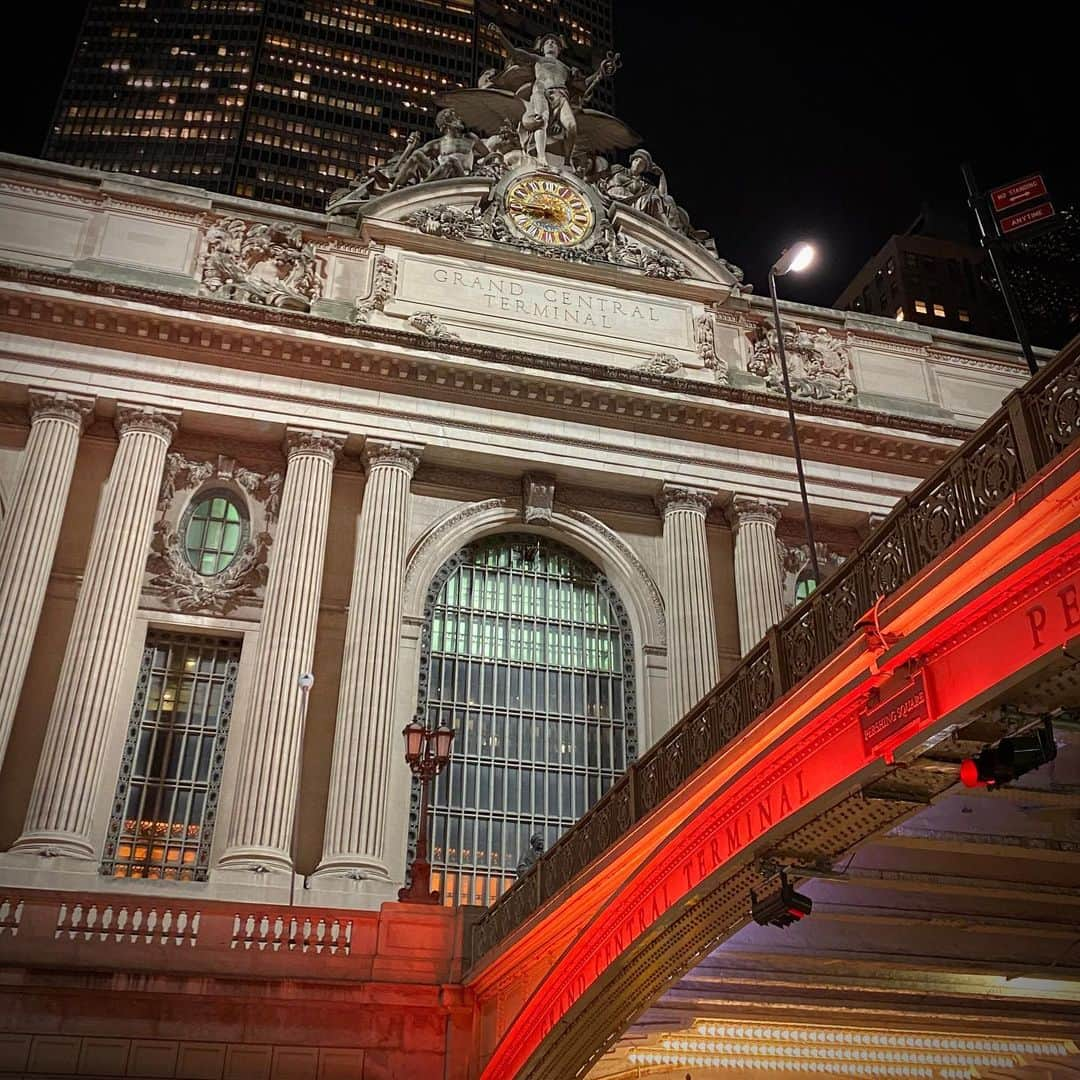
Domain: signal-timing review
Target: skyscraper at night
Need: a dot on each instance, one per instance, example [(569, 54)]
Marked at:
[(282, 100)]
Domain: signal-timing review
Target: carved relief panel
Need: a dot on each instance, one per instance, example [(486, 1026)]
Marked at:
[(211, 541)]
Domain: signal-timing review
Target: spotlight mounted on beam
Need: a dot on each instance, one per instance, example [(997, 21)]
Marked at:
[(1001, 764), (781, 905)]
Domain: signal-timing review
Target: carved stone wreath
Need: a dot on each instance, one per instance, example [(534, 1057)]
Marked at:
[(170, 577)]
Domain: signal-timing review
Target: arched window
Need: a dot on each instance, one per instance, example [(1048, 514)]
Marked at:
[(214, 530), (528, 655)]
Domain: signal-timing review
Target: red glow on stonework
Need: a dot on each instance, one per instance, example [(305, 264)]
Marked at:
[(736, 807)]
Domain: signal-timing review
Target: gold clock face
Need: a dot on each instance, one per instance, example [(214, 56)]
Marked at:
[(548, 210)]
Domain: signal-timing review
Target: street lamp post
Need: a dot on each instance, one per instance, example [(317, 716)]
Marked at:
[(427, 751), (794, 260)]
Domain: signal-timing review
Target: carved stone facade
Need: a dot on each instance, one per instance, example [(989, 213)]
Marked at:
[(430, 325), (624, 434), (383, 280), (486, 223), (538, 498), (661, 364), (795, 567), (819, 363), (171, 576), (259, 263)]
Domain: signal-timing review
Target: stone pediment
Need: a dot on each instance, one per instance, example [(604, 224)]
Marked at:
[(467, 209)]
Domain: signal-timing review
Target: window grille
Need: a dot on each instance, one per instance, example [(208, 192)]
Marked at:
[(527, 653), (214, 530), (170, 775)]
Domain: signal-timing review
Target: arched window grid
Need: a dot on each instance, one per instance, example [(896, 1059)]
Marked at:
[(214, 529), (527, 651)]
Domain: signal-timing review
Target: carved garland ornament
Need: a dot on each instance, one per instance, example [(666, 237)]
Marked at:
[(705, 339), (661, 363), (171, 576), (612, 246), (430, 325), (257, 263), (383, 283)]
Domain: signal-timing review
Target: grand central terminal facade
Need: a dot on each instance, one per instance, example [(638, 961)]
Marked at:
[(498, 444)]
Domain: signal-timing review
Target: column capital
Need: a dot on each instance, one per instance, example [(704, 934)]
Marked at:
[(746, 508), (674, 498), (325, 444), (57, 405), (160, 422), (397, 455)]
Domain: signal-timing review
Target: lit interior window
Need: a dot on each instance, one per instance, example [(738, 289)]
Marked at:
[(213, 535), (963, 315), (939, 310), (920, 307), (528, 655)]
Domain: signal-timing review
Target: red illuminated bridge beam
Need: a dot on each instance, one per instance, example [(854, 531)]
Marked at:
[(994, 607)]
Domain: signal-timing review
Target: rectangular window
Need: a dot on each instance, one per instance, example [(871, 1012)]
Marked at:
[(170, 773), (939, 310), (963, 316), (920, 307)]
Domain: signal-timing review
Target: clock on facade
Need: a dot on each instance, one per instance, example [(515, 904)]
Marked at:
[(548, 209)]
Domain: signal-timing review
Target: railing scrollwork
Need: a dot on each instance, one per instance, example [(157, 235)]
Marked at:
[(1033, 426)]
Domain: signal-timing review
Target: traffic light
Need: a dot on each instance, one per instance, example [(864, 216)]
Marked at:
[(781, 905), (999, 765)]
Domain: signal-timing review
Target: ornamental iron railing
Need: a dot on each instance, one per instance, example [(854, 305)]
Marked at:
[(1033, 426)]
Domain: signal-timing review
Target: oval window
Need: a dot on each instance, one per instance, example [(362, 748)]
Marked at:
[(214, 534)]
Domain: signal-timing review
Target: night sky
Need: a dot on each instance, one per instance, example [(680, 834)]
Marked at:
[(772, 126)]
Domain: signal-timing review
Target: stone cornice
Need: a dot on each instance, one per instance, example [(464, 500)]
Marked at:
[(433, 367)]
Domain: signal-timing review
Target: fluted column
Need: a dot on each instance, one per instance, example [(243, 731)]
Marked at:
[(364, 740), (31, 529), (758, 583), (69, 776), (260, 829), (691, 618)]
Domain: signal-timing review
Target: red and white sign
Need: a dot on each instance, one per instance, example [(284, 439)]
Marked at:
[(1023, 218), (1005, 198)]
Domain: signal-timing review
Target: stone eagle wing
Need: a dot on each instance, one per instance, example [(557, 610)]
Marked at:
[(601, 131), (483, 110)]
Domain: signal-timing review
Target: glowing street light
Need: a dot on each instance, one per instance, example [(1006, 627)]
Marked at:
[(794, 260)]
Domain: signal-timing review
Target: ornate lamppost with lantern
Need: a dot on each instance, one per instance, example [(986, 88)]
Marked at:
[(427, 751)]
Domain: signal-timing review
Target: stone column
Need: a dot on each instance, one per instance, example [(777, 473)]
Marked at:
[(758, 578), (691, 618), (365, 739), (69, 774), (28, 538), (261, 825)]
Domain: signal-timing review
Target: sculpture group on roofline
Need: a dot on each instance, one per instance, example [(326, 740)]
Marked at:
[(535, 110)]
